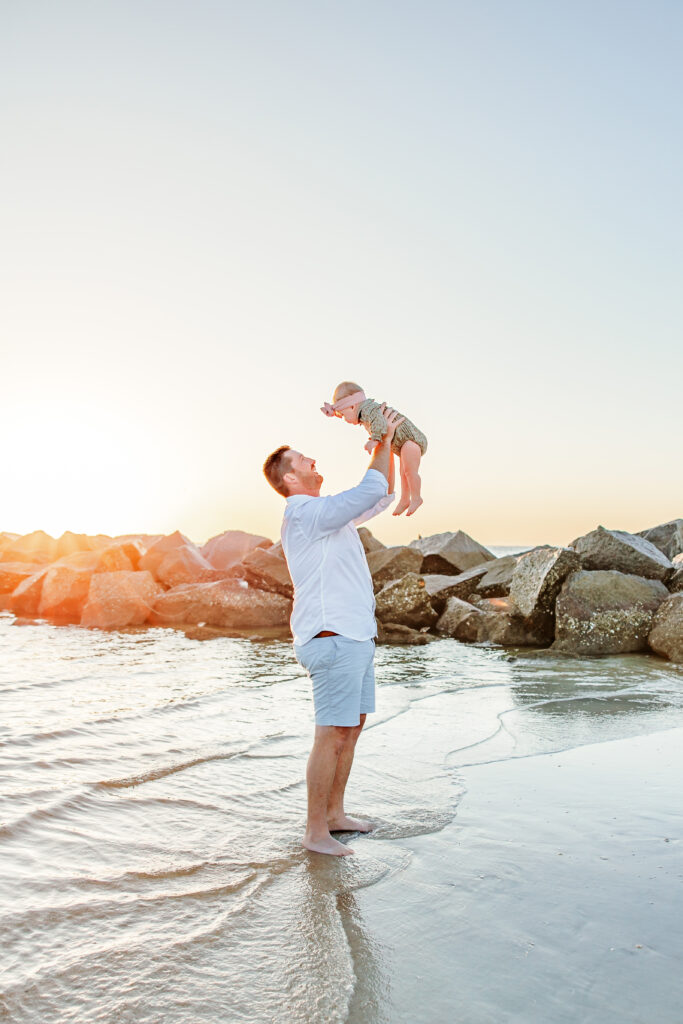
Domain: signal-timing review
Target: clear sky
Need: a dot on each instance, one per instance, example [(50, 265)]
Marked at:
[(213, 212)]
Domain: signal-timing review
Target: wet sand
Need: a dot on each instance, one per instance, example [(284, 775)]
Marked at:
[(556, 894)]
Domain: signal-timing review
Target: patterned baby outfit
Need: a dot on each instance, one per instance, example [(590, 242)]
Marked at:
[(370, 415)]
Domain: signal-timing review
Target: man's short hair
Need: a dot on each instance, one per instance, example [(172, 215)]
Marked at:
[(275, 467), (346, 388)]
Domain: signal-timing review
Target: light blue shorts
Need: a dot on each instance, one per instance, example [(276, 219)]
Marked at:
[(343, 675)]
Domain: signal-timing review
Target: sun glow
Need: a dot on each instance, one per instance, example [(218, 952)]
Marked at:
[(74, 464)]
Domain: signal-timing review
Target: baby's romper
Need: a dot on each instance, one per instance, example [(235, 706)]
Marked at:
[(370, 413)]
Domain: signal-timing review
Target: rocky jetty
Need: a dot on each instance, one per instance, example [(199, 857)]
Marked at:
[(607, 592)]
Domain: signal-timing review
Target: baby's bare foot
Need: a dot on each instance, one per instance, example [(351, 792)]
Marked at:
[(414, 506), (344, 823), (326, 844), (401, 507)]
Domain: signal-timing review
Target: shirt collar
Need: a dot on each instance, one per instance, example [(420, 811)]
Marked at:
[(298, 499)]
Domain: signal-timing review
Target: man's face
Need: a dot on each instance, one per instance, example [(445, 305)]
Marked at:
[(307, 480)]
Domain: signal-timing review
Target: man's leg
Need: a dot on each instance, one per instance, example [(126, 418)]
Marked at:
[(337, 820), (329, 742)]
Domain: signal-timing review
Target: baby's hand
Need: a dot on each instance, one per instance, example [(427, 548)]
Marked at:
[(370, 446)]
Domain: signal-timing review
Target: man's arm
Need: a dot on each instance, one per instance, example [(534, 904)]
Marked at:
[(381, 457), (327, 515)]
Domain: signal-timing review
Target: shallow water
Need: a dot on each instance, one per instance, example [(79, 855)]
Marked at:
[(152, 802)]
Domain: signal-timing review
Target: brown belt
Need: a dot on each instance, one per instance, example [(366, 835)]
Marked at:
[(325, 632)]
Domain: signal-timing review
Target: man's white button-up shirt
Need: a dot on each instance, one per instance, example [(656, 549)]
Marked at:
[(326, 559)]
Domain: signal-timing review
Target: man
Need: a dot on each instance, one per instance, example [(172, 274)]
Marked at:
[(333, 620)]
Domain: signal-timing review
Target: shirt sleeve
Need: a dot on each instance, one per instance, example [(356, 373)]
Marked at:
[(383, 503), (327, 515)]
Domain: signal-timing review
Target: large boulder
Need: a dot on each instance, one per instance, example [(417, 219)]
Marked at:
[(369, 542), (175, 560), (668, 537), (606, 612), (498, 576), (440, 588), (666, 635), (460, 620), (538, 576), (395, 634), (626, 552), (36, 548), (24, 600), (266, 571), (70, 542), (675, 583), (228, 603), (14, 573), (118, 599), (450, 553), (232, 547), (503, 623), (109, 559), (387, 564), (64, 592), (405, 602)]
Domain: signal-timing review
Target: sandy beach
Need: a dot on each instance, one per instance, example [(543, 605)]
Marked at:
[(554, 895)]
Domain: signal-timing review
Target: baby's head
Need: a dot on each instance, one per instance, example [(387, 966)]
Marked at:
[(345, 390)]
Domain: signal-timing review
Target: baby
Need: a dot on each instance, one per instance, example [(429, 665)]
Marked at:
[(409, 443)]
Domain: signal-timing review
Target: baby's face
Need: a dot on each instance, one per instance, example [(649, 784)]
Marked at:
[(350, 414)]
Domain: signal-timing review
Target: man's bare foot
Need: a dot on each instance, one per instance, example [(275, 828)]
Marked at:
[(344, 823), (414, 506), (327, 845), (401, 507)]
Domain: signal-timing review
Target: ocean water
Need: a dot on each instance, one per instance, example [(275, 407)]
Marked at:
[(152, 801)]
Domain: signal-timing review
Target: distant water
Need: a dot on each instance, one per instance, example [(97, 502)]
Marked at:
[(152, 803)]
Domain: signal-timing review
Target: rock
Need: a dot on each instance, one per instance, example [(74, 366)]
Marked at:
[(65, 589), (36, 548), (440, 588), (675, 584), (677, 560), (120, 598), (387, 564), (370, 543), (395, 633), (266, 571), (110, 559), (405, 602), (606, 612), (174, 560), (224, 603), (668, 537), (538, 576), (498, 577), (232, 547), (25, 599), (460, 620), (626, 552), (450, 552), (13, 573), (503, 623), (70, 542), (666, 636)]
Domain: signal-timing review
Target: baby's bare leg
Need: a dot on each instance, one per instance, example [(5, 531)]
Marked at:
[(404, 500), (410, 465)]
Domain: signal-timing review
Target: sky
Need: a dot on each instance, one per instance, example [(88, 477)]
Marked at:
[(211, 213)]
